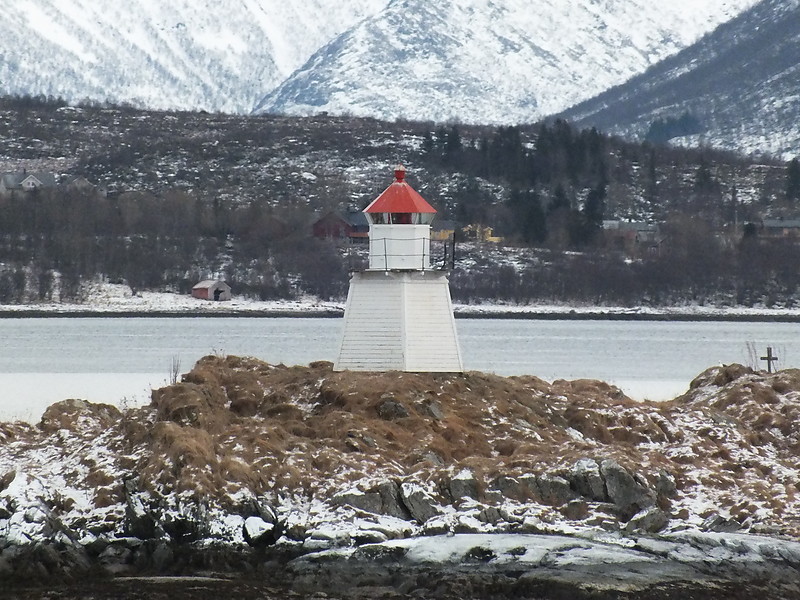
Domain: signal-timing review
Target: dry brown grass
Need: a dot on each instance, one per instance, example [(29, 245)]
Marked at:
[(79, 416), (238, 420), (238, 423)]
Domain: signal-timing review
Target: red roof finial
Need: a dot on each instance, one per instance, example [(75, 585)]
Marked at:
[(399, 197)]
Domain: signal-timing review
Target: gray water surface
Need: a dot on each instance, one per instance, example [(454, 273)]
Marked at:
[(125, 357)]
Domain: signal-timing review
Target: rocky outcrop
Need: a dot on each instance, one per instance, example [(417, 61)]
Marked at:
[(245, 459), (587, 480), (623, 499), (546, 566), (420, 504), (626, 490)]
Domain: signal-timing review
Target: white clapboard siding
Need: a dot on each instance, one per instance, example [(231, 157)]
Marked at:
[(399, 321)]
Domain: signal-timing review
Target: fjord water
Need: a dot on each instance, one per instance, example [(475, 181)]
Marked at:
[(119, 360)]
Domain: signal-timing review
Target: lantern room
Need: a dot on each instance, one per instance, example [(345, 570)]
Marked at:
[(400, 228)]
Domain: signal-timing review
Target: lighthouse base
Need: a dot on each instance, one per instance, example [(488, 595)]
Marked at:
[(399, 321)]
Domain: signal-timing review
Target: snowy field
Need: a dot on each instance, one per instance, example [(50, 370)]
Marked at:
[(117, 298)]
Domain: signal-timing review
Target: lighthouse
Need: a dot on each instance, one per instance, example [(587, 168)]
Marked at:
[(399, 315)]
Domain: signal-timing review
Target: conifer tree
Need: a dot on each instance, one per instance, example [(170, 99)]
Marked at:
[(793, 181)]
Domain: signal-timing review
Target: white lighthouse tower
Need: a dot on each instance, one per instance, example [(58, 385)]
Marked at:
[(399, 316)]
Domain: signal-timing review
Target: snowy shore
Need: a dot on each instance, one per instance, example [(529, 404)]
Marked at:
[(116, 300)]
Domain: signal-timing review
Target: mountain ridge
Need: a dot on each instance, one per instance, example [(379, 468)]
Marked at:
[(475, 61), (737, 82), (229, 57), (191, 55)]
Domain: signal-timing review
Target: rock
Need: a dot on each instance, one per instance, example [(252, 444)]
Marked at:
[(493, 497), (721, 524), (575, 510), (418, 502), (366, 501), (187, 523), (586, 480), (321, 539), (369, 536), (6, 570), (605, 522), (530, 483), (265, 511), (161, 556), (466, 523), (391, 501), (117, 558), (385, 498), (96, 545), (436, 526), (510, 487), (624, 491), (6, 479), (463, 485), (521, 489), (480, 554), (139, 520), (259, 533), (555, 490), (431, 408), (649, 520), (390, 410), (491, 515), (297, 531), (665, 486)]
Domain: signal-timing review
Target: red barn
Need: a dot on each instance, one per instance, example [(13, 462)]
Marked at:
[(352, 225), (212, 290)]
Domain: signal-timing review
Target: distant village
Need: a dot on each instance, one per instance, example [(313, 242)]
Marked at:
[(633, 238), (349, 228)]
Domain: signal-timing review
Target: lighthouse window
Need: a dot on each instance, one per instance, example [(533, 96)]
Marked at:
[(401, 218)]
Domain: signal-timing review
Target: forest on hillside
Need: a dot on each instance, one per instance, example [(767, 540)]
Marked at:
[(179, 197)]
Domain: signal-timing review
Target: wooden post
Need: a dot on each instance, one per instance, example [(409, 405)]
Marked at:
[(770, 358)]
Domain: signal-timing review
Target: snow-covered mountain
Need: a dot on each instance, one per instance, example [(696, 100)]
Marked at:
[(491, 62), (474, 60), (183, 54), (739, 85)]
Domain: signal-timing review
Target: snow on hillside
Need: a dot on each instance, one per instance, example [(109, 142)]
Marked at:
[(739, 84), (483, 62), (185, 54), (472, 59)]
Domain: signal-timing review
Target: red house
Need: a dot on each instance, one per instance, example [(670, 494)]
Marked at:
[(352, 226)]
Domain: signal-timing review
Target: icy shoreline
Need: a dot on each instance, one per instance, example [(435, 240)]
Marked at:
[(115, 300), (449, 567)]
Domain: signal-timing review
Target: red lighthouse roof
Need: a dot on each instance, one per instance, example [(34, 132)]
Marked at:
[(399, 198)]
